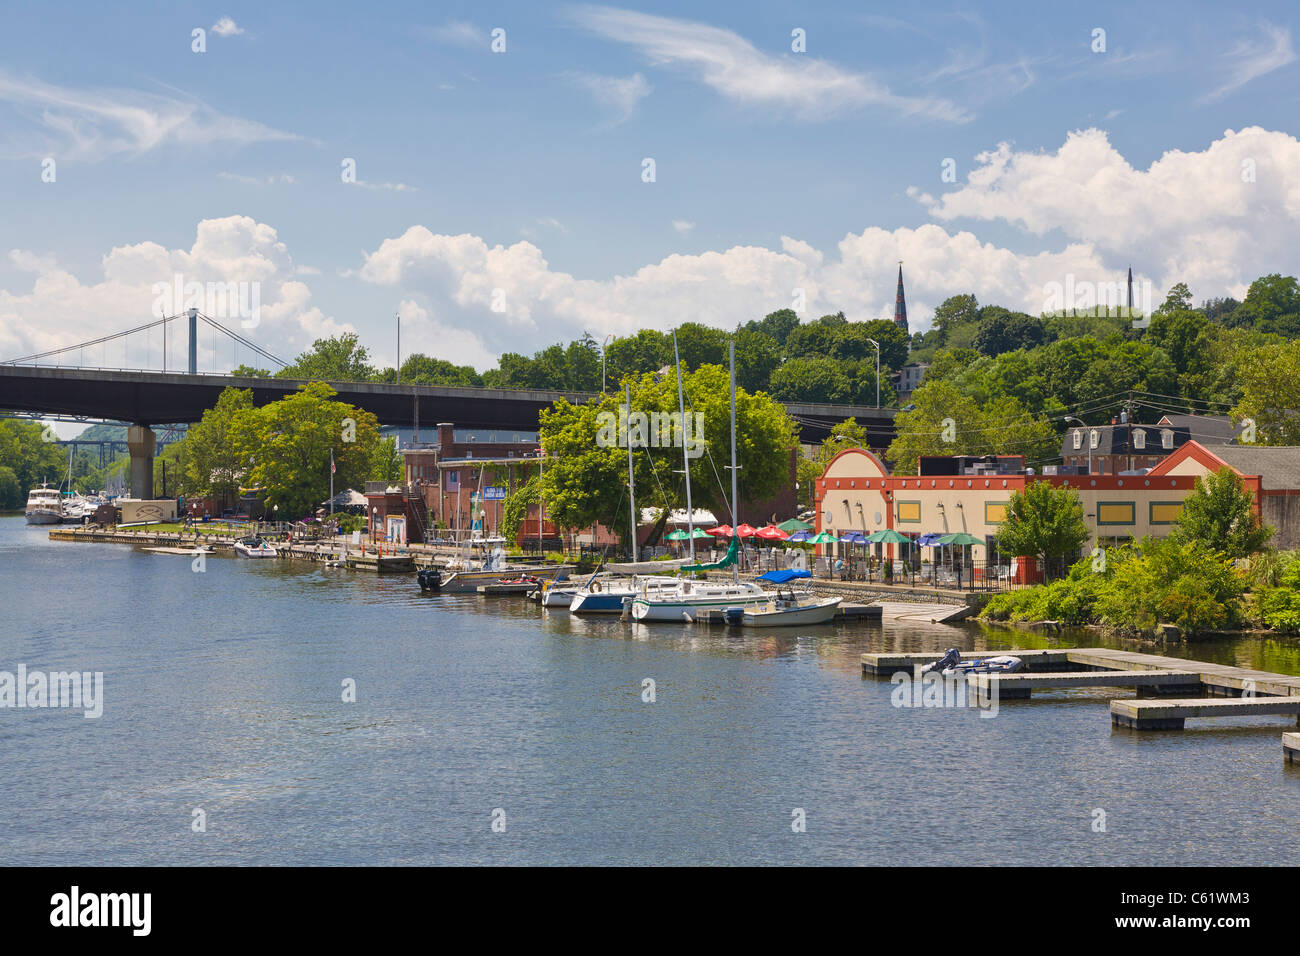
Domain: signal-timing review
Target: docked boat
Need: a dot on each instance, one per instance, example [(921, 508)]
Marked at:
[(550, 596), (452, 581), (952, 665), (686, 600), (785, 609), (253, 547), (44, 505), (610, 597)]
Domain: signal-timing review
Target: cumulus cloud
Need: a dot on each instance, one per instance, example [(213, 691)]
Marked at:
[(459, 33), (1214, 218), (735, 68), (93, 124), (61, 309), (226, 27), (683, 225)]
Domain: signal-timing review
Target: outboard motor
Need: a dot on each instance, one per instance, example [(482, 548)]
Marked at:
[(734, 615), (950, 659), (430, 579)]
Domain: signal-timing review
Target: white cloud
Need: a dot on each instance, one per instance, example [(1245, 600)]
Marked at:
[(1249, 60), (459, 33), (734, 67), (619, 93), (392, 187), (92, 124), (60, 309), (282, 178), (683, 226), (1190, 215), (226, 27)]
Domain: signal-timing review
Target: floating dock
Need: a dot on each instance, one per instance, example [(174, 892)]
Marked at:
[(1202, 690)]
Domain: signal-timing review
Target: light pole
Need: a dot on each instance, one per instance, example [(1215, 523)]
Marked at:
[(1087, 438), (877, 345), (604, 346)]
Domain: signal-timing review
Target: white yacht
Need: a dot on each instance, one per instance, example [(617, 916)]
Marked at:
[(689, 597), (610, 596), (44, 505)]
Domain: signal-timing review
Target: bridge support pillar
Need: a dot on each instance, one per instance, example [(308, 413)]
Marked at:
[(142, 443)]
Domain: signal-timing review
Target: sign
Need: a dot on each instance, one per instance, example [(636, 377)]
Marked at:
[(494, 493)]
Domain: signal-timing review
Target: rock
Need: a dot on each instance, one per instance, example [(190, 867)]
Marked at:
[(1169, 632)]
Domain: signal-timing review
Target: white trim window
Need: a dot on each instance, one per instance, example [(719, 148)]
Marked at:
[(1078, 438), (1139, 439), (1166, 438), (1094, 438)]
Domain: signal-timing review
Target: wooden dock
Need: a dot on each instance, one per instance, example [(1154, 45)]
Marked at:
[(1205, 690), (1171, 714), (379, 563)]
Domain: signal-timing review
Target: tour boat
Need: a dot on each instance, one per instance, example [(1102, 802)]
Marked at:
[(784, 610), (44, 505), (254, 548)]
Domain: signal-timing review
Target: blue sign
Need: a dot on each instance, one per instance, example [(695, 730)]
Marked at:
[(494, 493)]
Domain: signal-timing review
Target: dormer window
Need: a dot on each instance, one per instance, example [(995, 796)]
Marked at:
[(1139, 439), (1094, 438), (1166, 438), (1078, 439)]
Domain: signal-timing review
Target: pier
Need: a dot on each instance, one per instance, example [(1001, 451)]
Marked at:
[(1203, 690)]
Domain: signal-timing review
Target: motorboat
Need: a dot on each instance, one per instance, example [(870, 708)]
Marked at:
[(952, 665), (44, 505), (612, 596), (784, 609), (254, 547), (550, 596)]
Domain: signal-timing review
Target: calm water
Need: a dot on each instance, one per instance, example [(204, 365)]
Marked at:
[(223, 692)]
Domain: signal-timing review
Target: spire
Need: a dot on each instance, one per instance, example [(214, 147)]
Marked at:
[(1130, 290), (900, 304)]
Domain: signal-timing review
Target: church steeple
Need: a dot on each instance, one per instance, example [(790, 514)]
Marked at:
[(900, 304)]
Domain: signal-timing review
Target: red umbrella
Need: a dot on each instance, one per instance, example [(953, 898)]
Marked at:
[(721, 531), (771, 533), (745, 531)]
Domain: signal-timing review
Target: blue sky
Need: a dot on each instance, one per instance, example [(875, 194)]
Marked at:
[(521, 171)]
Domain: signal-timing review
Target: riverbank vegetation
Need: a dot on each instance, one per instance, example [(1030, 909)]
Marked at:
[(1210, 574)]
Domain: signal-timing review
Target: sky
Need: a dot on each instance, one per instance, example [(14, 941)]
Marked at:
[(522, 173)]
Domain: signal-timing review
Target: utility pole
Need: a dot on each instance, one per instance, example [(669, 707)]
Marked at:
[(877, 345)]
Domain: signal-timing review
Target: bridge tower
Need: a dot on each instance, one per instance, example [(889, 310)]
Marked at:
[(143, 444), (194, 341)]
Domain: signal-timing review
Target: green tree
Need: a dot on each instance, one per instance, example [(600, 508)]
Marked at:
[(11, 490), (213, 465), (1045, 522), (1170, 581), (757, 356), (420, 369), (24, 449), (1002, 331), (953, 312), (1269, 377), (1220, 514), (1272, 304), (339, 358), (776, 325), (820, 379), (284, 447)]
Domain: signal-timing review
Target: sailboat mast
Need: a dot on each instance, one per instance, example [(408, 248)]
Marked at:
[(735, 568), (631, 479), (686, 458)]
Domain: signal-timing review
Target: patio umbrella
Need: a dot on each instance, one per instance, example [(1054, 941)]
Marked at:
[(700, 533), (959, 538), (678, 535), (791, 525), (888, 536), (721, 531), (771, 533), (745, 531), (823, 537), (928, 540), (800, 537)]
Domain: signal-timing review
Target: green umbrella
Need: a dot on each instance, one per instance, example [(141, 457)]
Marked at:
[(699, 533), (823, 537), (792, 525), (678, 535), (960, 538), (888, 536)]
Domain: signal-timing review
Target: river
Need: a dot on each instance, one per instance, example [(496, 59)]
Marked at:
[(223, 693)]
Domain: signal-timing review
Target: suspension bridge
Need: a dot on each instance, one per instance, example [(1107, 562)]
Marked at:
[(95, 380)]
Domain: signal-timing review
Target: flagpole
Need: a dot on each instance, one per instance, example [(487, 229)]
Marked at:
[(331, 482)]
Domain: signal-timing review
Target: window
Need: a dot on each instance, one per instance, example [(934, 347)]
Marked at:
[(909, 512), (1094, 438), (1078, 438), (1116, 512), (995, 512), (1164, 512), (1166, 438), (1139, 439)]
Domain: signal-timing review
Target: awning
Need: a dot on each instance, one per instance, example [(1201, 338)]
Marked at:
[(780, 577)]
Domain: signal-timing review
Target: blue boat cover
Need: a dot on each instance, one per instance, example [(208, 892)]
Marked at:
[(780, 577)]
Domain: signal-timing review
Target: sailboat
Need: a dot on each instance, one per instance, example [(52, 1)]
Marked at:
[(688, 598)]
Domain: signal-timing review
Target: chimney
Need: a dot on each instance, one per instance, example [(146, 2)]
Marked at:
[(1114, 420), (445, 437)]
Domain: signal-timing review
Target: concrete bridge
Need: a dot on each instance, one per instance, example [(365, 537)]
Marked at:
[(155, 398)]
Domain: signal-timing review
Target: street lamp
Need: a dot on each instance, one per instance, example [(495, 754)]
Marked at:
[(604, 346), (877, 345), (374, 517), (1087, 438)]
